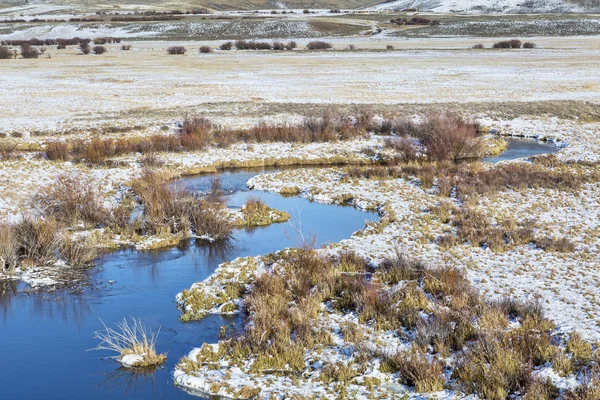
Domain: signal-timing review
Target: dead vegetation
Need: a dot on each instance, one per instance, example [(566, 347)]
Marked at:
[(437, 309), (168, 210), (131, 340), (198, 133)]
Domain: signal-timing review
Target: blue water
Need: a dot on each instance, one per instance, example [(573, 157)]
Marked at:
[(44, 336), (519, 148)]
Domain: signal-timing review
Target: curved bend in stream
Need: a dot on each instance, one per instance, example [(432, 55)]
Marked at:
[(44, 336)]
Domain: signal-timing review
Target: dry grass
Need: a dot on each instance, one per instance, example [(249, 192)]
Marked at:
[(167, 209), (72, 199), (435, 307), (257, 213), (38, 240), (131, 339), (78, 253), (9, 248), (416, 370)]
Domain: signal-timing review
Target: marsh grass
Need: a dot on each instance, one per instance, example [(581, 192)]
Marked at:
[(169, 209), (72, 199), (129, 339), (257, 213), (436, 308)]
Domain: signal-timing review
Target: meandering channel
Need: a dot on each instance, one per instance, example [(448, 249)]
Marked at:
[(44, 336)]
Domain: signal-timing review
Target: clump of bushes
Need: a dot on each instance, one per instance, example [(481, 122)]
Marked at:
[(319, 45), (529, 45), (198, 133), (126, 47), (71, 199), (508, 44), (85, 48), (478, 46), (252, 45), (28, 51), (99, 50), (38, 241), (6, 53), (438, 307), (226, 46), (176, 50), (414, 21), (205, 49), (170, 211)]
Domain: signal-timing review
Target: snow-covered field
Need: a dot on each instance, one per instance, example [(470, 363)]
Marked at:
[(65, 96), (479, 6), (145, 85)]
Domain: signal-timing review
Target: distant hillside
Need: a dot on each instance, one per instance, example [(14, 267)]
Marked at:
[(31, 7), (495, 6), (48, 5)]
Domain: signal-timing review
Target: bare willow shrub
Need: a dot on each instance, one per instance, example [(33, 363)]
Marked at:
[(176, 50), (72, 199), (85, 48), (6, 53), (57, 151), (196, 133), (450, 137), (226, 46), (99, 49), (319, 45), (28, 51)]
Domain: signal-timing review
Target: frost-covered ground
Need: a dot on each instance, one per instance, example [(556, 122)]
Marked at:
[(479, 6), (567, 283), (145, 85)]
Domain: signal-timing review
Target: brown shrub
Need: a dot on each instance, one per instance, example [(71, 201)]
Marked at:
[(78, 253), (58, 151), (196, 133), (492, 369), (529, 45), (205, 49), (28, 51), (560, 245), (176, 50), (71, 199), (319, 45), (450, 137), (226, 46), (416, 370), (99, 49), (6, 53)]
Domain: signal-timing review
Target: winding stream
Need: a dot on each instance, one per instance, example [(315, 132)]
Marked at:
[(44, 336)]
